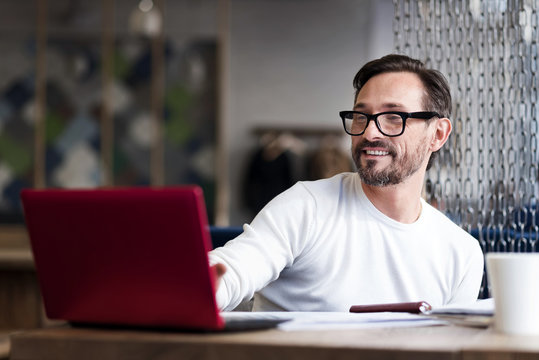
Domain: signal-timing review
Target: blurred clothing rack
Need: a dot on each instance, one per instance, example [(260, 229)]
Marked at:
[(286, 154)]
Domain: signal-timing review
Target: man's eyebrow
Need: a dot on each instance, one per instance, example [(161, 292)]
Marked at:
[(359, 106)]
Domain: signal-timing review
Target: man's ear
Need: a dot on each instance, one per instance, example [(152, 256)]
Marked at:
[(441, 134)]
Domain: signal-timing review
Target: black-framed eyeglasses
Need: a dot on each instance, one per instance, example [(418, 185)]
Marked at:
[(389, 123)]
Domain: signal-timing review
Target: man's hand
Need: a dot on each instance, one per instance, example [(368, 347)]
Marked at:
[(218, 271)]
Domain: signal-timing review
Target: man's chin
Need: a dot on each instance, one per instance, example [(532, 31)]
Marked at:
[(374, 167), (372, 178), (375, 183)]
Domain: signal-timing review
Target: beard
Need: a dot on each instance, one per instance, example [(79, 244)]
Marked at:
[(400, 168)]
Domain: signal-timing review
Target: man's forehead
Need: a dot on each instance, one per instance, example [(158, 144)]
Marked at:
[(391, 90)]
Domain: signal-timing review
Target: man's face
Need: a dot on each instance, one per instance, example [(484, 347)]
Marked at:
[(383, 160)]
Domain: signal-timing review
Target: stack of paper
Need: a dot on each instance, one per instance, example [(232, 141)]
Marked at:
[(478, 314)]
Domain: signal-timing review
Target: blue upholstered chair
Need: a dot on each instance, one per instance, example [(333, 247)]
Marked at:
[(221, 234)]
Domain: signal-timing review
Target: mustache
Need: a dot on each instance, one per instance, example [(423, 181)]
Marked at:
[(379, 144)]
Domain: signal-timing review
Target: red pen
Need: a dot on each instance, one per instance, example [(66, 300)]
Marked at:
[(411, 307)]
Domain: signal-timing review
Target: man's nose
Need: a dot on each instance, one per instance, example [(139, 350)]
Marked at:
[(371, 131)]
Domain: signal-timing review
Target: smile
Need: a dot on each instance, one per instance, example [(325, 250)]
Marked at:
[(376, 152)]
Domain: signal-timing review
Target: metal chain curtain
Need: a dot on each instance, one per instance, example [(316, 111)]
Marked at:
[(486, 177)]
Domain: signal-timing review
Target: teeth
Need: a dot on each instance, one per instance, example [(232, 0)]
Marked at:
[(376, 152)]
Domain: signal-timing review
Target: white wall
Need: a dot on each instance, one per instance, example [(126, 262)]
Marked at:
[(292, 63)]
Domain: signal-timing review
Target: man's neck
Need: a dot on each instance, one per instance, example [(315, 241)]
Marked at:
[(401, 202)]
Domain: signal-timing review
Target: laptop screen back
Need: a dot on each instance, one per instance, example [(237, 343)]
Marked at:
[(123, 256)]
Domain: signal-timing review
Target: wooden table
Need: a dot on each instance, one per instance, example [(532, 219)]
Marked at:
[(434, 342)]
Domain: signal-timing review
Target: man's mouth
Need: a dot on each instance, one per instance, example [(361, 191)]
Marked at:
[(377, 152)]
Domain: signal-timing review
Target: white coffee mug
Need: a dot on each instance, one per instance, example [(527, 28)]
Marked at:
[(514, 280)]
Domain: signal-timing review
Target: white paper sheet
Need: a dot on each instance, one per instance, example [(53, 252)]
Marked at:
[(337, 320)]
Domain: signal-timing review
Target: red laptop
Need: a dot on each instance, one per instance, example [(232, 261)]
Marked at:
[(125, 256)]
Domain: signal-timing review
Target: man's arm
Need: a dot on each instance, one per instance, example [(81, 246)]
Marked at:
[(269, 244), (468, 289)]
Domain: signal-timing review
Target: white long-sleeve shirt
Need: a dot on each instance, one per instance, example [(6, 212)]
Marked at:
[(323, 246)]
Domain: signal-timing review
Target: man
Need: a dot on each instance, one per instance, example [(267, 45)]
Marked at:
[(365, 237)]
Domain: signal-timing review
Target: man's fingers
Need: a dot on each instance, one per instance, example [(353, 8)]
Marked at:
[(218, 271)]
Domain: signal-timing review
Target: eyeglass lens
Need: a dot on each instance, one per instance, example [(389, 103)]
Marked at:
[(388, 124)]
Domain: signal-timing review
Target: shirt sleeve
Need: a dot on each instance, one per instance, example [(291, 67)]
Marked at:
[(468, 289), (268, 245)]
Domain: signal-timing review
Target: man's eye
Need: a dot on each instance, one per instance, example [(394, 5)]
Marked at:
[(393, 117), (359, 117)]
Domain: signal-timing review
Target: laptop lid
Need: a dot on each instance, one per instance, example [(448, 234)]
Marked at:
[(123, 256)]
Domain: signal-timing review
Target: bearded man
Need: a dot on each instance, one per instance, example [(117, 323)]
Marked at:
[(365, 237)]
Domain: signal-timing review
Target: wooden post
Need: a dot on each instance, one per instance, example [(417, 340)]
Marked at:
[(107, 77), (40, 94), (222, 185), (157, 155)]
